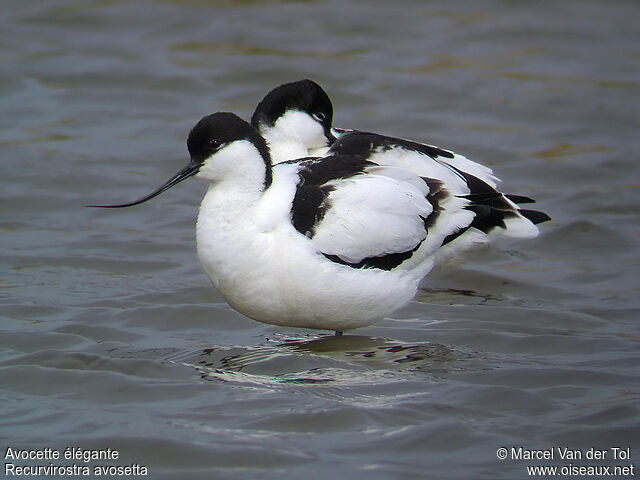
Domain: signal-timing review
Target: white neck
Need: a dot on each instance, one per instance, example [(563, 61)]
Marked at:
[(224, 224), (237, 165), (293, 136), (285, 149)]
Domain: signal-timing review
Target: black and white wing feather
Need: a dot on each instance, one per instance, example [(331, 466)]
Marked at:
[(362, 214), (493, 211)]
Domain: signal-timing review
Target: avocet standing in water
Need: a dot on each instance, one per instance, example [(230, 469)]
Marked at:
[(331, 243)]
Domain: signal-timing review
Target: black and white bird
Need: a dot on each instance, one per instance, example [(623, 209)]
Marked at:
[(336, 242), (296, 119)]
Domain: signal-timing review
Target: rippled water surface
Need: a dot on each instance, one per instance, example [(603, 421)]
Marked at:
[(111, 336)]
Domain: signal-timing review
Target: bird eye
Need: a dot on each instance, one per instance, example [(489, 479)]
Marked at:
[(214, 143), (320, 116)]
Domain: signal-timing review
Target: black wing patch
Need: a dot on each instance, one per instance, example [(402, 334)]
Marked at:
[(310, 201), (491, 208), (519, 198), (437, 193), (363, 144), (534, 216), (384, 262)]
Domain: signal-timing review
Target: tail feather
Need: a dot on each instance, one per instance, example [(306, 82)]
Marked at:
[(519, 198), (534, 216)]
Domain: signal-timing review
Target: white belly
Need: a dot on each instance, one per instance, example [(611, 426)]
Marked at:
[(276, 278)]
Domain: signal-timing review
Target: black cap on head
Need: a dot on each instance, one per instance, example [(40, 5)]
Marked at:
[(304, 95), (220, 128), (209, 135)]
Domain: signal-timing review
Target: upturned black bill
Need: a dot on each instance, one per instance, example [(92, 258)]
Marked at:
[(188, 171)]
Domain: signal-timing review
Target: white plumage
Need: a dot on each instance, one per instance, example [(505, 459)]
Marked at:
[(336, 242), (360, 225)]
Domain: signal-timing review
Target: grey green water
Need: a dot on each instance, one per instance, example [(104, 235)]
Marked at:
[(111, 336)]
